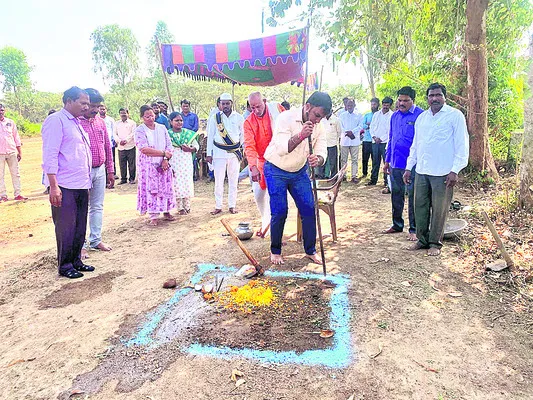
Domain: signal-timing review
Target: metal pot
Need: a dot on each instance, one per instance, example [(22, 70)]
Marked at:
[(243, 231)]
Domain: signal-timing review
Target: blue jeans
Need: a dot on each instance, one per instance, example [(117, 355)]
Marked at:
[(298, 185), (96, 204), (398, 189)]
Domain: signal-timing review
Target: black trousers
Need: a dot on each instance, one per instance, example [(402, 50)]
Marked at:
[(70, 222), (398, 189), (126, 159), (332, 162), (367, 154), (378, 154), (114, 155)]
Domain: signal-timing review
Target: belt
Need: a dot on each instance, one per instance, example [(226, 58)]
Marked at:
[(98, 166)]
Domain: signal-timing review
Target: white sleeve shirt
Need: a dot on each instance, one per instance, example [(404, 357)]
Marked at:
[(333, 129), (380, 126), (440, 144), (351, 122)]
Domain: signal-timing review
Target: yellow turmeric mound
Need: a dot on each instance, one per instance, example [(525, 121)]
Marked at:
[(255, 294)]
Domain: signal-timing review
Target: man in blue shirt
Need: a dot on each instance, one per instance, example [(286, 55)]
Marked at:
[(367, 138), (160, 118), (402, 131), (190, 119)]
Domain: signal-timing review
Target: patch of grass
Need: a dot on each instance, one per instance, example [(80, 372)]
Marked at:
[(383, 325)]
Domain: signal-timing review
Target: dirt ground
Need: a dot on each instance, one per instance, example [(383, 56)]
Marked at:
[(421, 327)]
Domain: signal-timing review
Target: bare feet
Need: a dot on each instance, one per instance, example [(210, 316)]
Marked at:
[(412, 237), (168, 217), (153, 222), (182, 212), (433, 251), (232, 210), (276, 259), (314, 258), (416, 246), (84, 255), (102, 246)]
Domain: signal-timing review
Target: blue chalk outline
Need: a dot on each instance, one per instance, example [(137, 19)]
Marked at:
[(339, 356)]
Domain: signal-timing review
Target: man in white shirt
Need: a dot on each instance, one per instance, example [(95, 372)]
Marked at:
[(125, 136), (352, 123), (287, 159), (439, 151), (333, 128), (379, 130), (110, 126), (225, 137)]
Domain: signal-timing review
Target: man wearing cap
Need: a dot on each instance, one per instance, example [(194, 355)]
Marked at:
[(287, 159), (258, 129), (225, 136)]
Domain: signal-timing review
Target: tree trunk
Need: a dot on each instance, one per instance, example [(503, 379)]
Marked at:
[(478, 87), (526, 164), (369, 69)]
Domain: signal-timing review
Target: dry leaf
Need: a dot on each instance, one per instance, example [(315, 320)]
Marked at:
[(326, 333), (352, 397), (405, 283), (378, 353), (75, 392), (239, 382), (235, 374), (455, 294), (15, 362)]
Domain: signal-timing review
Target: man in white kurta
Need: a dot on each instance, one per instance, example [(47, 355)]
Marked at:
[(379, 130), (439, 151), (224, 151), (351, 122)]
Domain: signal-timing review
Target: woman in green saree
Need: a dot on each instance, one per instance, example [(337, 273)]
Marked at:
[(184, 144)]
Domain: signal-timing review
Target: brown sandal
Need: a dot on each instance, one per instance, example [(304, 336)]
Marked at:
[(216, 211), (182, 212), (233, 211)]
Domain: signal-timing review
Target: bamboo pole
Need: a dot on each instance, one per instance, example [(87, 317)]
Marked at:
[(321, 75), (165, 78), (506, 256)]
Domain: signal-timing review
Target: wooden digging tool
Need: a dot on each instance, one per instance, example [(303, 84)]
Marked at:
[(263, 233), (498, 240), (258, 268)]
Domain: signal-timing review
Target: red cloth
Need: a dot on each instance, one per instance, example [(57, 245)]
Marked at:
[(257, 137), (100, 144)]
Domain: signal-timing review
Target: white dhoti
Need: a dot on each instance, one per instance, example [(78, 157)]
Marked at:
[(262, 199), (222, 166)]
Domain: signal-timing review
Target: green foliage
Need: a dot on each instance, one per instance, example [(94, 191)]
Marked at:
[(164, 36), (15, 69), (115, 53), (357, 91), (25, 127)]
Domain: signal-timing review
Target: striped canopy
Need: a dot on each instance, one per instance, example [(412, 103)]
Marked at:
[(265, 61)]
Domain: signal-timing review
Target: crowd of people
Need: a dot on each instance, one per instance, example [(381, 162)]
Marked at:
[(273, 144)]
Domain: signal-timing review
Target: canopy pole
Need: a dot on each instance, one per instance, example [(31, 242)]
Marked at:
[(158, 51), (321, 74), (233, 95)]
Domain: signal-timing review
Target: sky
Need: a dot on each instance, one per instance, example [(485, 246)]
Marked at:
[(55, 36)]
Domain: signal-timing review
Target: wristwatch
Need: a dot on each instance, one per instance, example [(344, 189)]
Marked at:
[(165, 158)]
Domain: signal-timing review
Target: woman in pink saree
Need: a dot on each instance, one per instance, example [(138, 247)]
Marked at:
[(155, 193)]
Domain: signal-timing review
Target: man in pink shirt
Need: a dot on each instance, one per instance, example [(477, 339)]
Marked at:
[(102, 170), (67, 162), (10, 153)]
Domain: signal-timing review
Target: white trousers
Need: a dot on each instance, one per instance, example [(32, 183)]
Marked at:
[(13, 164), (231, 167), (353, 152), (262, 199)]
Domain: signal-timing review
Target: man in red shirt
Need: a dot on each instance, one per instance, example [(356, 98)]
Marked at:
[(102, 171), (258, 129)]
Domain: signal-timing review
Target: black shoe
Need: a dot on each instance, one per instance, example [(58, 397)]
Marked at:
[(371, 183), (84, 268), (132, 182), (71, 274), (122, 182)]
